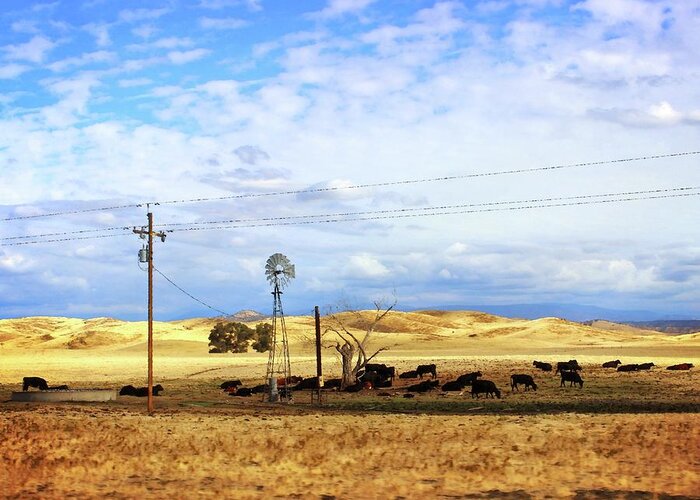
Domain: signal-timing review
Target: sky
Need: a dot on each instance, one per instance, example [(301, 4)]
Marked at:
[(272, 113)]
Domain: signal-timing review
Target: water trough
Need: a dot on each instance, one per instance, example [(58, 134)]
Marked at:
[(90, 395)]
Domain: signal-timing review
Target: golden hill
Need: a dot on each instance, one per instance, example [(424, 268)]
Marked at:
[(408, 330)]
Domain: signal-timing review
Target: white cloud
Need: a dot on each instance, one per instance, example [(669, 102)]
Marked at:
[(33, 51), (101, 56), (365, 266), (15, 262), (100, 32), (228, 23), (187, 56), (134, 82), (25, 26), (11, 71), (135, 15), (338, 8), (252, 5)]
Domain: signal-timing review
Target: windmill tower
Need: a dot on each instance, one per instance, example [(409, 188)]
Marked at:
[(279, 272)]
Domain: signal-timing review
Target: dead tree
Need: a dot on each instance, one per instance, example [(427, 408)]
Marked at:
[(353, 348)]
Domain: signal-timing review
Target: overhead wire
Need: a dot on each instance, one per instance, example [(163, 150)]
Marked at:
[(401, 213), (189, 294), (361, 186)]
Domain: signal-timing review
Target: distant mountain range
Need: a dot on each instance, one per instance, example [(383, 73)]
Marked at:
[(571, 312)]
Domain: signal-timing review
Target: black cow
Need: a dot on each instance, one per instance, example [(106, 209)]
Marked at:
[(259, 389), (521, 379), (454, 385), (545, 367), (468, 378), (307, 383), (332, 383), (572, 377), (571, 365), (242, 392), (425, 386), (485, 387), (386, 372), (645, 366), (409, 374), (141, 392), (356, 387), (376, 379), (682, 366), (230, 383), (628, 368), (37, 382), (612, 364), (427, 369)]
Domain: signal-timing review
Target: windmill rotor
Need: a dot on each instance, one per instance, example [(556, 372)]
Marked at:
[(279, 270)]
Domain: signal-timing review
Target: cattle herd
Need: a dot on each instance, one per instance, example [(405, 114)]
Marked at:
[(376, 376)]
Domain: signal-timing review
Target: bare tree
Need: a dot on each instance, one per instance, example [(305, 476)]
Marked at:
[(354, 348)]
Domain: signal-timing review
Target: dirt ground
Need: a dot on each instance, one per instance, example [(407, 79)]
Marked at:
[(624, 435)]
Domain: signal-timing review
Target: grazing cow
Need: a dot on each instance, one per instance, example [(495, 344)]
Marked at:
[(468, 378), (425, 386), (427, 369), (628, 368), (485, 387), (230, 383), (645, 366), (612, 364), (682, 366), (572, 377), (571, 365), (521, 379), (37, 382), (454, 385), (409, 374), (545, 367)]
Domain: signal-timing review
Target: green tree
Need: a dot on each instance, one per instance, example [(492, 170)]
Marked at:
[(235, 337), (263, 337)]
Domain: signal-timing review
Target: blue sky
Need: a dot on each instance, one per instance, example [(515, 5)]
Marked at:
[(108, 103)]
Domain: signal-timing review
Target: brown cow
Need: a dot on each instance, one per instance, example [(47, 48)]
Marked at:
[(682, 366)]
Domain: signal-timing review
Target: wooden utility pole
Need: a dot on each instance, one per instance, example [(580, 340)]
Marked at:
[(161, 235), (319, 368)]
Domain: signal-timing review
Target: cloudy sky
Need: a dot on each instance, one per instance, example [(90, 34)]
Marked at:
[(106, 104)]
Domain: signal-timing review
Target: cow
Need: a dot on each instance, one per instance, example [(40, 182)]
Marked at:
[(571, 365), (545, 367), (386, 372), (259, 389), (682, 366), (376, 379), (230, 383), (521, 379), (307, 383), (37, 382), (409, 374), (425, 386), (612, 364), (485, 387), (141, 392), (454, 385), (628, 368), (468, 378), (332, 383), (427, 369), (356, 387), (572, 377), (645, 366), (242, 392)]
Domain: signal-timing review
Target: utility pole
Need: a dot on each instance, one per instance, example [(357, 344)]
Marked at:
[(149, 256), (319, 370)]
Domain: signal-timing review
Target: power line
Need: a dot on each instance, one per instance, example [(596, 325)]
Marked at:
[(366, 212), (189, 294), (364, 186), (402, 213), (443, 207)]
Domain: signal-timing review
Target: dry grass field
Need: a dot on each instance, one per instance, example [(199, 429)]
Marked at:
[(624, 435)]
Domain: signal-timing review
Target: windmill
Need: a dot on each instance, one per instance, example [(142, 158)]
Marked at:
[(279, 272)]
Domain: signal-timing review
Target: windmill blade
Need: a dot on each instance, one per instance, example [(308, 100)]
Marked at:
[(289, 271)]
